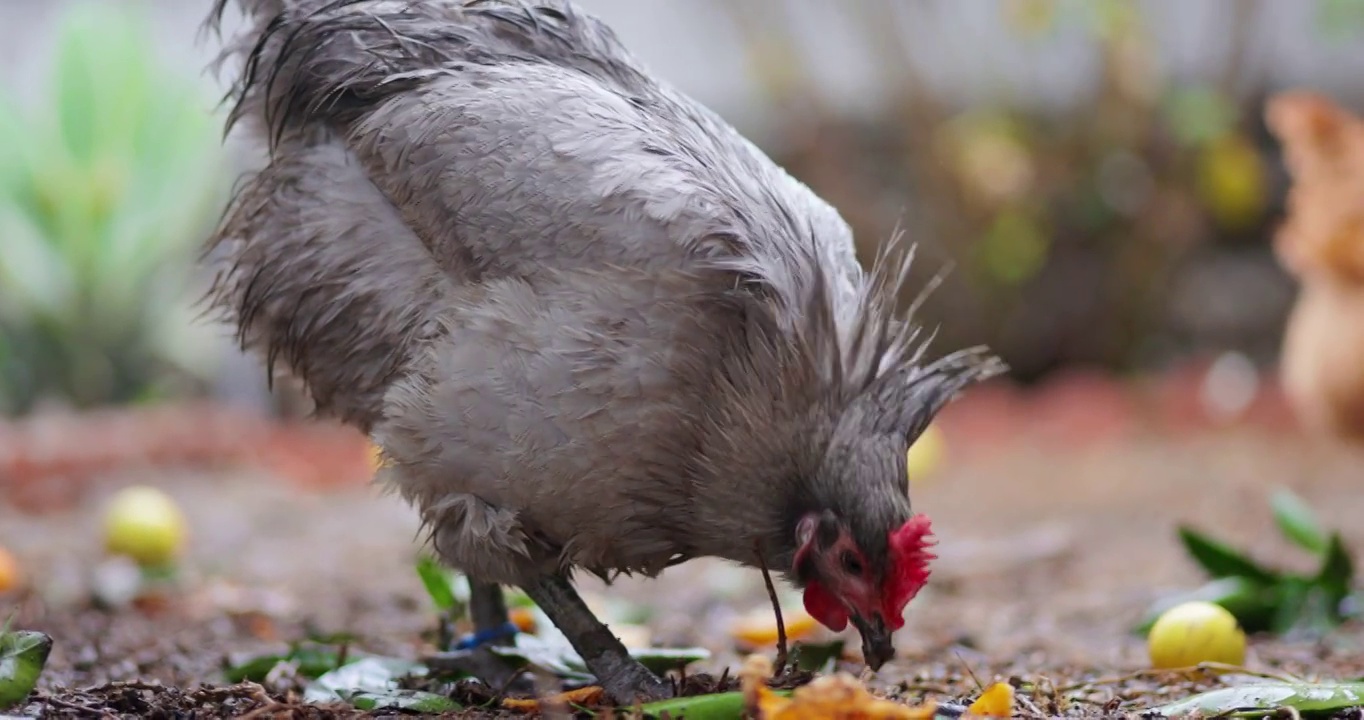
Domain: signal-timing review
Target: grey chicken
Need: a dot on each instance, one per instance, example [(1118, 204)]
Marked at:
[(591, 326)]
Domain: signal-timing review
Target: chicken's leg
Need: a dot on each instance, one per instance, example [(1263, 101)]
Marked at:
[(622, 676), (488, 609)]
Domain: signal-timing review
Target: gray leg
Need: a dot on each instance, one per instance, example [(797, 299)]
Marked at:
[(487, 606), (488, 610), (624, 678)]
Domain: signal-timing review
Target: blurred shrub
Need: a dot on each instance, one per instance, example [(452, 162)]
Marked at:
[(107, 186), (1122, 229)]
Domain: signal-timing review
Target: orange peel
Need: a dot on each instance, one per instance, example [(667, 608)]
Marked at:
[(757, 633), (587, 696), (997, 701), (523, 619), (838, 697), (9, 571)]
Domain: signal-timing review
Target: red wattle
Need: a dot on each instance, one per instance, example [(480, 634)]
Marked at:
[(824, 607)]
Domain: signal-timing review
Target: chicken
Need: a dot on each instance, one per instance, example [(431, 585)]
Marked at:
[(1322, 244), (591, 326)]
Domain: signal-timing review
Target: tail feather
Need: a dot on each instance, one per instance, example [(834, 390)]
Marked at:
[(306, 61)]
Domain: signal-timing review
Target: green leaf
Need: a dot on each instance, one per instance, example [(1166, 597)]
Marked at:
[(1220, 560), (1297, 522), (373, 675), (22, 657), (1252, 604), (815, 657), (517, 598), (1304, 608), (661, 660), (312, 660), (437, 580), (411, 700), (555, 655), (557, 658), (1257, 699), (717, 706), (1337, 573)]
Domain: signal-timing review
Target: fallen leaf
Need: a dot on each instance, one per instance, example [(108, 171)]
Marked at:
[(9, 571), (310, 660), (374, 676), (815, 657), (1262, 698), (551, 652), (22, 657), (417, 701), (716, 706), (582, 697)]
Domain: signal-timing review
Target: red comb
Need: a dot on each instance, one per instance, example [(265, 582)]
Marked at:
[(909, 558)]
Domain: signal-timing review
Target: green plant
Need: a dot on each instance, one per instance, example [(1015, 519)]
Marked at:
[(1304, 699), (23, 654), (1269, 599), (107, 186)]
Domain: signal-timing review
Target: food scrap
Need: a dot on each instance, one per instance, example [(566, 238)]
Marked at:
[(582, 697), (523, 619), (9, 571), (832, 696), (760, 629), (996, 701)]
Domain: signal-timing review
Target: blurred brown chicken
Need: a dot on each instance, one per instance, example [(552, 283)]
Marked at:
[(1322, 244)]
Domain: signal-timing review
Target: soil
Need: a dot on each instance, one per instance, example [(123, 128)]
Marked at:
[(1049, 554)]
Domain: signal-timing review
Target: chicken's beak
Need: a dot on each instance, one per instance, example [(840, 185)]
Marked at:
[(876, 644)]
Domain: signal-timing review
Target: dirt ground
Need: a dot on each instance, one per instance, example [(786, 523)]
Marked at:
[(1048, 555)]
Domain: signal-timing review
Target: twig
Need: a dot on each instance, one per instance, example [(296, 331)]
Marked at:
[(269, 709), (966, 666), (776, 609), (78, 707), (1029, 705)]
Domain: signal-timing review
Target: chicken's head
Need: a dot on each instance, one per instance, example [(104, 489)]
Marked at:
[(843, 582)]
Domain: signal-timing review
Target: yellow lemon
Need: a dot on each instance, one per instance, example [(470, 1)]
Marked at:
[(1196, 632), (144, 524), (926, 454), (9, 571)]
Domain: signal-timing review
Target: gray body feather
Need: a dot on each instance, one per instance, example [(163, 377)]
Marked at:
[(590, 325)]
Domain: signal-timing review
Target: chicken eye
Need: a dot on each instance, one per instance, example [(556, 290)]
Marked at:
[(852, 564)]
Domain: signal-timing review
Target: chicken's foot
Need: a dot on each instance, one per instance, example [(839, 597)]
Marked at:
[(625, 680), (488, 610)]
